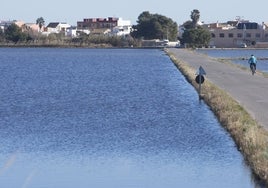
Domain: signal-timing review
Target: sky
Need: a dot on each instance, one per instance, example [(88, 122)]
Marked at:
[(211, 11)]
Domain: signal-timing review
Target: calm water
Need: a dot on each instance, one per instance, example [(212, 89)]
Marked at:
[(102, 118), (240, 56)]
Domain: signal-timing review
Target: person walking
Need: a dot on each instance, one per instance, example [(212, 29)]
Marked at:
[(252, 63)]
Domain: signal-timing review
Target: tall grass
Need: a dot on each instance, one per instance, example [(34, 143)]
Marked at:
[(251, 138)]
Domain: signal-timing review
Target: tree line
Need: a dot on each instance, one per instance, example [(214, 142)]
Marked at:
[(149, 26)]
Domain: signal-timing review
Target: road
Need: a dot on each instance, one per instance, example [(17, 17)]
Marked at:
[(249, 91)]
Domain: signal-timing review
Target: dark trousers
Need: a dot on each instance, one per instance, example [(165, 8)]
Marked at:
[(253, 65)]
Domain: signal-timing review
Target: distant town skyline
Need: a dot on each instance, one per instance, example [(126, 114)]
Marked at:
[(73, 11)]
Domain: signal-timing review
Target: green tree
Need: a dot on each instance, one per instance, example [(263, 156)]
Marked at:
[(41, 22), (2, 35), (155, 26), (14, 33), (195, 16), (188, 24), (194, 35)]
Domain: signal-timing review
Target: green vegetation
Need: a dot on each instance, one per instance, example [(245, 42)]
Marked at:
[(195, 16), (149, 26), (103, 41), (155, 26), (2, 35), (14, 33), (251, 138), (40, 22), (195, 35), (24, 36)]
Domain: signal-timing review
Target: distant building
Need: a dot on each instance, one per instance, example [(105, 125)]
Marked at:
[(32, 26), (239, 33), (56, 27), (123, 27), (5, 24), (110, 25), (71, 31)]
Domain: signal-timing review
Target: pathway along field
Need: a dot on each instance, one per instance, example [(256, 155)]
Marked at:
[(239, 100)]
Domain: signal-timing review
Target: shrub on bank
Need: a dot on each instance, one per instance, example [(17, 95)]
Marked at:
[(58, 39)]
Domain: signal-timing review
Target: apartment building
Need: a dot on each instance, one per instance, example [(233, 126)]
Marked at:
[(110, 25), (239, 33)]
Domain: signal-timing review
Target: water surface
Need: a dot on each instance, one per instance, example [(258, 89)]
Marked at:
[(108, 118), (240, 56)]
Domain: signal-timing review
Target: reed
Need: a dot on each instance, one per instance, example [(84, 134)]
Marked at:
[(251, 138)]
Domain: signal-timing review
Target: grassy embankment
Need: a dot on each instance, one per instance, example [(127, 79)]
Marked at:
[(250, 138)]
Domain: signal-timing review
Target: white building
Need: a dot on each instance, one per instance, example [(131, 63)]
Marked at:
[(123, 27), (71, 31), (57, 27), (237, 34), (110, 25)]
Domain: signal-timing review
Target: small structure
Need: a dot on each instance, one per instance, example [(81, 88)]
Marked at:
[(123, 27), (71, 31), (57, 27), (200, 79), (160, 43)]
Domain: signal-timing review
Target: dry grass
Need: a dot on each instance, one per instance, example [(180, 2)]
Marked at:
[(250, 138)]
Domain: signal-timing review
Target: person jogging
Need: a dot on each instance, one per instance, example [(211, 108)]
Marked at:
[(252, 63)]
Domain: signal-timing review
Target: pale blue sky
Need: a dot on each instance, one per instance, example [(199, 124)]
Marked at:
[(179, 11)]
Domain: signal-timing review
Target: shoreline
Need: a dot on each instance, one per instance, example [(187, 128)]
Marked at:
[(249, 136), (97, 46)]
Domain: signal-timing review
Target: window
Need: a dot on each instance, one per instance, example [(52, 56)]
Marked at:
[(230, 35), (221, 35), (213, 35), (248, 35), (258, 35), (266, 35), (239, 35)]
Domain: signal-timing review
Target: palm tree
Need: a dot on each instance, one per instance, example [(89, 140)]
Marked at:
[(195, 15), (41, 22)]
